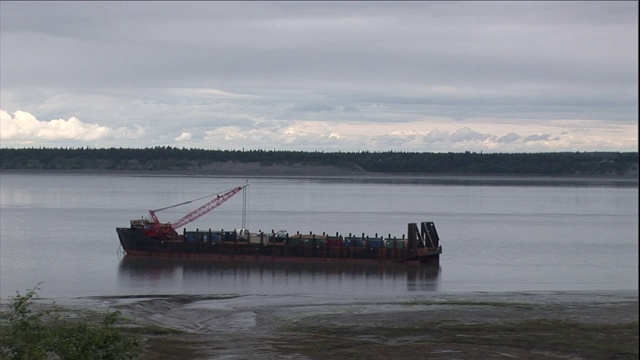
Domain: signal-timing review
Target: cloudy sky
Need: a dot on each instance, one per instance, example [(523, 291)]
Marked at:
[(326, 76)]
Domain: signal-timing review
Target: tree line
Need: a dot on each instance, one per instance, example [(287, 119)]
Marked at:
[(190, 159)]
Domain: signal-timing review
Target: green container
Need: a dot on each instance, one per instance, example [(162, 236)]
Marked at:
[(312, 242), (399, 243)]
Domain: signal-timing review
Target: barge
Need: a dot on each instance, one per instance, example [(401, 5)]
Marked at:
[(150, 237)]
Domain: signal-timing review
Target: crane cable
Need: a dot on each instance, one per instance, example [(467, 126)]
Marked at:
[(190, 201), (244, 206)]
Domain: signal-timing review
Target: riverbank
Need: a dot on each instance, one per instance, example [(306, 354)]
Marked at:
[(214, 169), (317, 163), (246, 172), (537, 325)]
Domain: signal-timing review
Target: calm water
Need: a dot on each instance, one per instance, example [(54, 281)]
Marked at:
[(496, 236)]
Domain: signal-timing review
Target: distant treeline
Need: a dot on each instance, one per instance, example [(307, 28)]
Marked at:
[(191, 160)]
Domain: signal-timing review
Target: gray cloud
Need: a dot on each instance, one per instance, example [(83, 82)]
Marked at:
[(537, 137), (508, 138), (177, 68), (467, 134)]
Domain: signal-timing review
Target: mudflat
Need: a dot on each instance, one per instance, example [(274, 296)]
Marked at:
[(536, 325)]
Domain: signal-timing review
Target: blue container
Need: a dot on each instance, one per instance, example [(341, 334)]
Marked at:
[(354, 242), (375, 243)]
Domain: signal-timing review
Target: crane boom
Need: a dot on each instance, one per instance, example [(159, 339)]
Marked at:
[(214, 203), (160, 229)]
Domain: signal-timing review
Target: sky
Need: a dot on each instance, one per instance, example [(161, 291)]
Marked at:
[(321, 76)]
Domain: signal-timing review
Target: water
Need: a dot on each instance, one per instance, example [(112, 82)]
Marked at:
[(497, 236)]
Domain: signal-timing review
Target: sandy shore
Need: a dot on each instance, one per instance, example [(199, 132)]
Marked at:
[(541, 325)]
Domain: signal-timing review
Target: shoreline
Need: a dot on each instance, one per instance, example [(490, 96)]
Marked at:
[(527, 325), (320, 172)]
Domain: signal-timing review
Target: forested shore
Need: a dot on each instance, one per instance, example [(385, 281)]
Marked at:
[(194, 161)]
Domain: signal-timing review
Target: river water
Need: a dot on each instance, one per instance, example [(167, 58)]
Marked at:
[(497, 234)]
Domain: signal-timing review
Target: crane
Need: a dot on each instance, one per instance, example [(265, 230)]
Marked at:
[(169, 229)]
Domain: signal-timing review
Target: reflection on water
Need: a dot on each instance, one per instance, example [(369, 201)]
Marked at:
[(542, 234), (481, 180), (245, 277)]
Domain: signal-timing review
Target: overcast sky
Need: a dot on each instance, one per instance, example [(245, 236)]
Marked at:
[(321, 76)]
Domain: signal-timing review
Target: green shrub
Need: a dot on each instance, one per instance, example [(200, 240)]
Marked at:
[(30, 334)]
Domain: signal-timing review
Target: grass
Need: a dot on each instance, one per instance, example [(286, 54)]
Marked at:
[(524, 339), (515, 305)]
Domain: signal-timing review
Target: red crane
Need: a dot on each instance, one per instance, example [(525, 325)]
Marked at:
[(168, 229)]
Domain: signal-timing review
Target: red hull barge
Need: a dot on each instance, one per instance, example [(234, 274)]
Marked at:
[(152, 238), (420, 245)]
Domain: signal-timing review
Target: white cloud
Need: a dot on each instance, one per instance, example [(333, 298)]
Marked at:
[(185, 136), (435, 136), (23, 127), (418, 136)]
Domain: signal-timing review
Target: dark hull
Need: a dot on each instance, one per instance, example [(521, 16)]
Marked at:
[(136, 243)]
